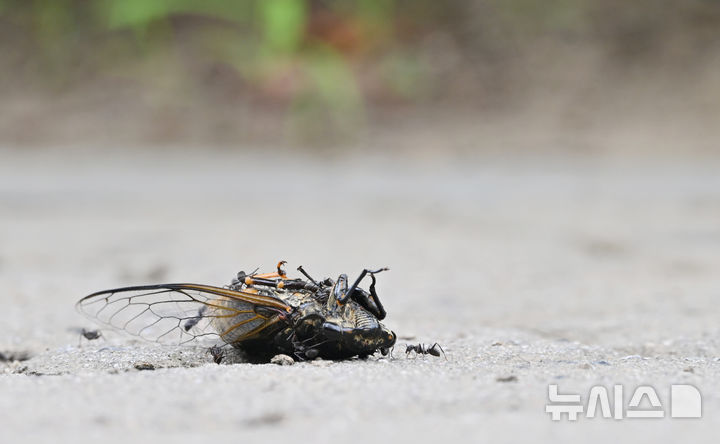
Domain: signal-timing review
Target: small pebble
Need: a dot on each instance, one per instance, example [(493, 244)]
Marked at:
[(282, 360), (144, 366), (14, 356), (321, 362), (511, 378), (267, 419)]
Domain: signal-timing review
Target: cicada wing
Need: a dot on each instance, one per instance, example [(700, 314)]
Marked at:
[(183, 313)]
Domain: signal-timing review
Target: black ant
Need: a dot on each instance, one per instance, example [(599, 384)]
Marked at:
[(217, 353), (90, 335), (423, 349)]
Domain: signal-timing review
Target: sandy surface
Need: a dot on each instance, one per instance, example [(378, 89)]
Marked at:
[(528, 272)]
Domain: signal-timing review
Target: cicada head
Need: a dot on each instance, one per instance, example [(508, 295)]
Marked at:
[(388, 340)]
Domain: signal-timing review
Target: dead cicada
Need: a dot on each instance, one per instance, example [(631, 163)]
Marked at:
[(262, 314)]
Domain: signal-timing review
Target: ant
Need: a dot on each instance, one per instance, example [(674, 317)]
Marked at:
[(217, 353), (90, 335), (423, 349)]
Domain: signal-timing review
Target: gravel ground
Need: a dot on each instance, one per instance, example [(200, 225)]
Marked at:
[(574, 272)]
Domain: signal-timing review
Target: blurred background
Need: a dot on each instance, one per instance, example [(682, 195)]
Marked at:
[(181, 140), (413, 76)]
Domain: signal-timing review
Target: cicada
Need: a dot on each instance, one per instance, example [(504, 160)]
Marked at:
[(262, 314)]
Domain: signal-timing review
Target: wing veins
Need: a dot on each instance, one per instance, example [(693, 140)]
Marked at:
[(116, 308)]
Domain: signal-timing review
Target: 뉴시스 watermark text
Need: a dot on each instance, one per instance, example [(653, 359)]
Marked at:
[(684, 401)]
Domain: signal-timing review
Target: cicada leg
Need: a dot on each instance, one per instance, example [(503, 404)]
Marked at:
[(369, 301), (302, 270), (269, 279), (280, 273)]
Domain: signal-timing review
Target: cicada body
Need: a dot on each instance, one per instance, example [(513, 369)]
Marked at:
[(263, 314)]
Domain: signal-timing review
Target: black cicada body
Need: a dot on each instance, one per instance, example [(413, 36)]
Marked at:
[(262, 314)]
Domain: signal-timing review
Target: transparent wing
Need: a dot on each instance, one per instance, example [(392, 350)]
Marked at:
[(184, 313)]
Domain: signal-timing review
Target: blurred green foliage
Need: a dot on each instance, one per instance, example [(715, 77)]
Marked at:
[(316, 60), (297, 53), (283, 24)]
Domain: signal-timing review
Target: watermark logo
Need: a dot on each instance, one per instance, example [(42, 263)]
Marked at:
[(684, 401)]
